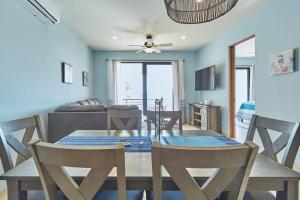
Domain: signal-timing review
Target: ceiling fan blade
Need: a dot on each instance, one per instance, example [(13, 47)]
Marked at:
[(164, 45), (140, 51), (134, 45), (130, 31)]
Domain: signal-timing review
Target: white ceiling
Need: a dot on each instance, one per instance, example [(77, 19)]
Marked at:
[(246, 49), (97, 21)]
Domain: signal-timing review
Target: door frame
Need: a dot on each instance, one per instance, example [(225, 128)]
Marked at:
[(232, 84)]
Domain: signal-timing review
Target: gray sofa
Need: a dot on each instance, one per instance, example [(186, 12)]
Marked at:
[(89, 114)]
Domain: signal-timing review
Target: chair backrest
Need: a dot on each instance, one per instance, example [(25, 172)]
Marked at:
[(174, 116), (51, 159), (124, 119), (289, 138), (233, 165), (29, 124)]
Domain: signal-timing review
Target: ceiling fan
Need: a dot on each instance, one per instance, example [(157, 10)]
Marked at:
[(150, 47)]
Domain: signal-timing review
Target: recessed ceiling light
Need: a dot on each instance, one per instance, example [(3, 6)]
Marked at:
[(114, 37), (199, 1), (183, 37)]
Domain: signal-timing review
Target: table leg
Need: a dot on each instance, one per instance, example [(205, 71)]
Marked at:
[(292, 190), (14, 192), (290, 193)]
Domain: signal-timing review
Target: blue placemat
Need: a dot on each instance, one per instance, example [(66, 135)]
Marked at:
[(200, 141), (109, 141)]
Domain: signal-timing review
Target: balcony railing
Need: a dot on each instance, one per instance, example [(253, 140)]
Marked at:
[(168, 103)]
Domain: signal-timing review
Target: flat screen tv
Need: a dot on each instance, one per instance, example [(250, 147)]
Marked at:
[(205, 79)]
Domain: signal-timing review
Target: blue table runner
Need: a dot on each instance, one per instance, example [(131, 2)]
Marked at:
[(200, 141), (137, 146), (109, 141)]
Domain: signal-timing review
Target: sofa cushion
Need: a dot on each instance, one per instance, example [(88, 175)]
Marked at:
[(80, 108), (97, 101), (91, 102), (73, 104), (83, 103), (123, 107)]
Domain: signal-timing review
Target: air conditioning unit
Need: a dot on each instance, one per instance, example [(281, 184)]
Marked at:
[(44, 10)]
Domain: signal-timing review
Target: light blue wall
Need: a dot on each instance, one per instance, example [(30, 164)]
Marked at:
[(100, 68), (30, 63), (245, 61), (276, 28)]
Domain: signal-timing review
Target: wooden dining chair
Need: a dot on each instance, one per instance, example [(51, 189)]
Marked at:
[(233, 164), (8, 139), (124, 119), (51, 159), (170, 118), (289, 141)]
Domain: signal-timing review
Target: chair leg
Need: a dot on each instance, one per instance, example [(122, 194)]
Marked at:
[(14, 192)]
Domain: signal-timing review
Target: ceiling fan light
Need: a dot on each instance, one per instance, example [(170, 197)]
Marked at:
[(149, 50)]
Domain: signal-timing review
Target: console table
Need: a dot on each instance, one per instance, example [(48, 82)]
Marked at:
[(205, 117)]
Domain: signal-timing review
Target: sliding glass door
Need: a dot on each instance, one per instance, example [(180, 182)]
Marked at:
[(159, 84), (140, 83), (129, 84)]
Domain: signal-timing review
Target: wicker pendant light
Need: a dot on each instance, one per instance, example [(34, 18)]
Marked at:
[(197, 11)]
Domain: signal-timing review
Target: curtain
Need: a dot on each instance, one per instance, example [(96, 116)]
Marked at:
[(178, 88), (112, 66)]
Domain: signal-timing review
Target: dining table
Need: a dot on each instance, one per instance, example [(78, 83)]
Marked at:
[(266, 174)]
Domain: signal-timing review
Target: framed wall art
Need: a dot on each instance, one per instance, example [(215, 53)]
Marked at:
[(67, 73), (283, 62), (85, 79)]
